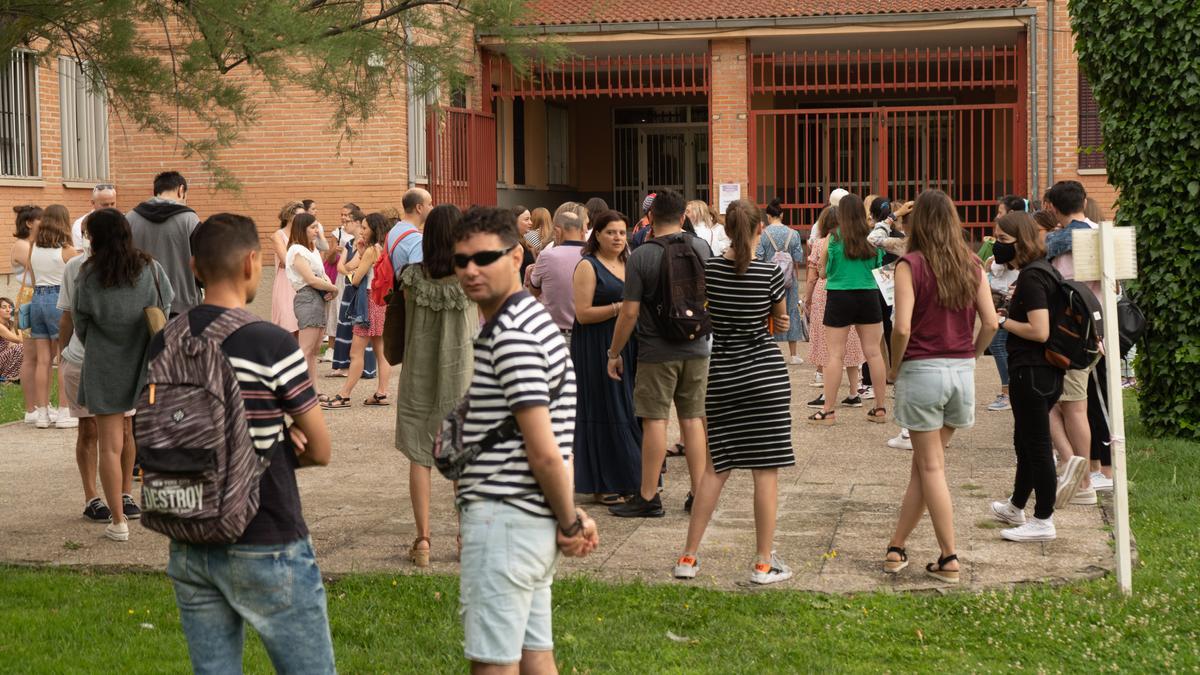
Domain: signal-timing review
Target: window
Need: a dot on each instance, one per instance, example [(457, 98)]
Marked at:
[(1090, 137), (84, 124), (418, 151), (518, 121), (498, 111), (18, 116), (458, 96), (558, 143)]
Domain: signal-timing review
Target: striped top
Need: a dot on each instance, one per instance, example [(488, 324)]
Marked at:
[(740, 305), (273, 377), (520, 359)]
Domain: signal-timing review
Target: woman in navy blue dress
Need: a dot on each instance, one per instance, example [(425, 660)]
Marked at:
[(345, 317), (608, 438)]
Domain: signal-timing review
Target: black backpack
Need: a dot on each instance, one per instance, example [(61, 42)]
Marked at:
[(1075, 325), (1131, 324), (682, 308)]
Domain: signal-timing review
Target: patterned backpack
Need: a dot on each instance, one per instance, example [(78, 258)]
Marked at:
[(200, 469), (782, 259)]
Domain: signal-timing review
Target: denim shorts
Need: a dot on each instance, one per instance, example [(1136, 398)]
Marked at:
[(275, 588), (508, 562), (936, 393), (44, 313)]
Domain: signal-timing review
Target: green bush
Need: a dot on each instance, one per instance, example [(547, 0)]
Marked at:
[(1143, 60)]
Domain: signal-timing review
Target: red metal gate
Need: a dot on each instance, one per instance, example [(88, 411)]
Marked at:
[(975, 153), (462, 157)]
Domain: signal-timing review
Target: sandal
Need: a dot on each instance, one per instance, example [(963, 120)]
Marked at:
[(337, 373), (336, 403), (419, 556), (323, 398), (377, 399), (936, 571), (894, 566), (825, 417), (877, 415), (675, 450), (609, 499)]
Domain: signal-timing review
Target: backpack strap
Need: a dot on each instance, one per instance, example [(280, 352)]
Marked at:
[(772, 240), (227, 324)]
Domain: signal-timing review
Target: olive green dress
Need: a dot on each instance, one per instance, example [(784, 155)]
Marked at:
[(440, 328)]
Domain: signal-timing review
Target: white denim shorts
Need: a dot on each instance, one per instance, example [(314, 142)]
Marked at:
[(936, 393), (508, 562)]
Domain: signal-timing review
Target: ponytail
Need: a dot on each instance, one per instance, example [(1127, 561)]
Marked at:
[(742, 219)]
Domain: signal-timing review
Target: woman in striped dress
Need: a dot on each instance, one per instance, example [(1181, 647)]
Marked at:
[(749, 393)]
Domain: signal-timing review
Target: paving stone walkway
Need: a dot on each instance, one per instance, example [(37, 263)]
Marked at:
[(837, 508)]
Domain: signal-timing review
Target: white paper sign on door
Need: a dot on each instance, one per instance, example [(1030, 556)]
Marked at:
[(729, 193)]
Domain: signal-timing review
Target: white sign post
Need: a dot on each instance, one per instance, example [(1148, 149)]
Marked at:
[(1109, 255)]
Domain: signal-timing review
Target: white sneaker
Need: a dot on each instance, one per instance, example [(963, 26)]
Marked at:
[(1101, 483), (1085, 497), (65, 421), (818, 381), (796, 360), (867, 393), (1034, 530), (1068, 483), (687, 567), (43, 419), (327, 357), (117, 532), (1001, 403), (1007, 513), (52, 413), (901, 441), (770, 572), (31, 417)]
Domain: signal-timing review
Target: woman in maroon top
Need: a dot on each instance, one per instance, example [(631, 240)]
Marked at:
[(940, 286)]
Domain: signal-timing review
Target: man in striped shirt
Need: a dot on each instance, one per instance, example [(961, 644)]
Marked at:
[(269, 578), (516, 496)]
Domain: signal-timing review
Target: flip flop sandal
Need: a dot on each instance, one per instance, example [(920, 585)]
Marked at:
[(675, 450), (878, 415), (610, 500), (336, 403), (823, 417), (337, 373), (376, 399), (894, 566), (936, 571)]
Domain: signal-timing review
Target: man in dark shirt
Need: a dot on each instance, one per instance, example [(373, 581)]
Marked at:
[(269, 578)]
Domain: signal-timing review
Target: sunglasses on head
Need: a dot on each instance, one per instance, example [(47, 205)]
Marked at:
[(481, 259)]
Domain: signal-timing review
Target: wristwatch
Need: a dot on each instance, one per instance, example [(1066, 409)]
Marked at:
[(574, 528), (611, 355), (1003, 319)]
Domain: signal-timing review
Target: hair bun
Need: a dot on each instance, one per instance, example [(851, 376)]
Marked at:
[(776, 202)]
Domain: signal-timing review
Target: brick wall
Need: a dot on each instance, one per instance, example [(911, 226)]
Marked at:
[(1066, 108), (728, 109)]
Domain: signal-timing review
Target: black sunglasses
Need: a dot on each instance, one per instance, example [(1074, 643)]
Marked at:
[(481, 259)]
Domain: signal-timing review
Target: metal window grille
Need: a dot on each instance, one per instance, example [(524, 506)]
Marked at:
[(418, 148), (84, 114), (558, 143), (1091, 139), (18, 115)]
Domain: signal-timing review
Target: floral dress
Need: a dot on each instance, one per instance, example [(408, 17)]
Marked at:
[(818, 353)]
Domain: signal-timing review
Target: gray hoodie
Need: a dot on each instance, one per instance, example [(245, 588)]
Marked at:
[(163, 228)]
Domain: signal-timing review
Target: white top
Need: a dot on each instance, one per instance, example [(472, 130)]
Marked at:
[(23, 276), (715, 235), (48, 265), (314, 264), (1001, 279), (77, 238)]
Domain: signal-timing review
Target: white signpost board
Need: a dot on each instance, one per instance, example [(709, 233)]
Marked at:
[(1109, 255)]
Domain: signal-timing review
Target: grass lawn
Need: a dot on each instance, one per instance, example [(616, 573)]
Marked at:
[(12, 404), (80, 621)]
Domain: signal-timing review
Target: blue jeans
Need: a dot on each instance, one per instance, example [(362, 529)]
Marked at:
[(44, 313), (999, 349), (276, 589)]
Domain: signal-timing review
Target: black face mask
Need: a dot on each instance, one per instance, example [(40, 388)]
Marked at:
[(1004, 252)]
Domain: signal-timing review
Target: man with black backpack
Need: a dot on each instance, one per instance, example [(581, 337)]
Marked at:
[(665, 298), (220, 466)]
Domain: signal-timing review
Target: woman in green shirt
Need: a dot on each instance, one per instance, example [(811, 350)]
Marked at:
[(853, 300)]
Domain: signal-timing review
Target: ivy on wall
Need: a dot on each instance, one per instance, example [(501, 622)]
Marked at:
[(1142, 58)]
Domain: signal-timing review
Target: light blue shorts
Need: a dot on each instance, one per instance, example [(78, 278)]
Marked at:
[(508, 562), (936, 393)]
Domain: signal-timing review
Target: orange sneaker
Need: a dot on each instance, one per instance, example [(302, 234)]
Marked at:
[(687, 567)]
